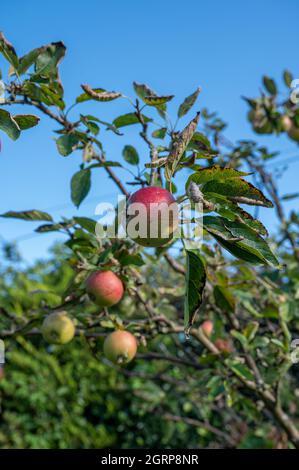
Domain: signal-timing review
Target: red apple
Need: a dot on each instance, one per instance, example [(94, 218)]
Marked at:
[(207, 327), (120, 347), (105, 287), (152, 216), (223, 345)]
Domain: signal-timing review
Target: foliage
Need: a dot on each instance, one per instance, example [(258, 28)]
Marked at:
[(223, 385)]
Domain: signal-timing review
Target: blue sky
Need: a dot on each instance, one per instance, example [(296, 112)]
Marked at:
[(174, 46)]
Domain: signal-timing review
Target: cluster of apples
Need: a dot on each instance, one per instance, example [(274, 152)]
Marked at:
[(106, 289), (223, 345)]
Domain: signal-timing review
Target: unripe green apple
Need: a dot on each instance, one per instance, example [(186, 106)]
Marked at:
[(293, 133), (152, 216), (120, 347), (223, 345), (105, 288), (207, 327), (58, 328)]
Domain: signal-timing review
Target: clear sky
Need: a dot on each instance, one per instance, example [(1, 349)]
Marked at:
[(174, 46)]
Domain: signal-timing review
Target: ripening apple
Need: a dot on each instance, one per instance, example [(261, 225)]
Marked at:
[(223, 345), (120, 347), (58, 328), (105, 288), (207, 327), (286, 123), (152, 216)]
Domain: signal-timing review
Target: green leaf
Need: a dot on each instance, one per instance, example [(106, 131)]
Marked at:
[(288, 78), (29, 59), (270, 85), (200, 143), (240, 369), (127, 259), (80, 186), (130, 154), (85, 97), (240, 240), (26, 121), (9, 125), (231, 211), (66, 144), (188, 103), (224, 299), (128, 120), (27, 215), (160, 133), (157, 100), (42, 93), (8, 51), (86, 223), (195, 282)]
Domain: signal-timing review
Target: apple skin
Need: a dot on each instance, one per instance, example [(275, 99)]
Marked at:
[(207, 327), (120, 347), (153, 196), (286, 123), (105, 287), (223, 345), (58, 328)]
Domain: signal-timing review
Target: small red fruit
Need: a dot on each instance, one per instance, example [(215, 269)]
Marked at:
[(152, 216), (120, 347), (105, 287), (223, 345), (207, 327)]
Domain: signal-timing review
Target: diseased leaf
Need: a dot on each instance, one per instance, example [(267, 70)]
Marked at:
[(100, 96), (195, 282), (237, 190), (80, 186), (66, 144), (26, 121), (179, 147), (188, 103), (9, 125), (86, 97), (128, 120), (47, 62), (214, 173), (8, 51), (157, 100), (130, 154), (200, 143), (27, 215), (43, 94), (51, 227), (144, 91)]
